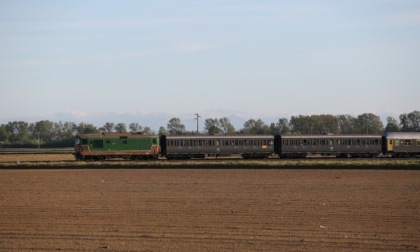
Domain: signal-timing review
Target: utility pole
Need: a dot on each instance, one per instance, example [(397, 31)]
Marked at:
[(196, 118)]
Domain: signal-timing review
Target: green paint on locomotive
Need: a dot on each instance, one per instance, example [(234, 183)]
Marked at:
[(121, 143), (110, 145)]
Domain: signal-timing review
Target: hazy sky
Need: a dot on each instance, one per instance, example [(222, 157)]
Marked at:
[(91, 59)]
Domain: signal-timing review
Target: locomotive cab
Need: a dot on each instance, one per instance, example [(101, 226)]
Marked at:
[(79, 145)]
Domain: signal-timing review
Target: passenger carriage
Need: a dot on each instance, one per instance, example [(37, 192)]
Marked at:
[(401, 144), (331, 145), (186, 147)]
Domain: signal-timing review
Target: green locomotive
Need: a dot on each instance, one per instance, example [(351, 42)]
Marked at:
[(134, 146)]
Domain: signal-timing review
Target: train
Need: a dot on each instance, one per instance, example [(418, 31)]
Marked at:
[(140, 146), (132, 146)]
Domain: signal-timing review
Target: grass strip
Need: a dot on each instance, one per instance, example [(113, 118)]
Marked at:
[(228, 164)]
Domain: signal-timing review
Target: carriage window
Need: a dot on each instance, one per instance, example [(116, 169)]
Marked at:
[(407, 142), (418, 142)]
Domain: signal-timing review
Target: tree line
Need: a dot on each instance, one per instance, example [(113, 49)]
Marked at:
[(61, 134)]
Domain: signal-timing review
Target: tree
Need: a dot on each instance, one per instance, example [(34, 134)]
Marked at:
[(108, 127), (255, 127), (147, 130), (70, 129), (135, 127), (45, 130), (175, 127), (300, 124), (283, 127), (64, 131), (226, 127), (392, 125), (410, 122), (273, 129), (325, 124), (369, 123), (346, 124), (162, 131), (85, 128), (4, 136), (121, 127), (18, 132), (212, 126), (314, 124)]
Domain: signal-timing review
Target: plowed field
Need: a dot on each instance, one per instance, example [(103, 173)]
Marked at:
[(209, 209)]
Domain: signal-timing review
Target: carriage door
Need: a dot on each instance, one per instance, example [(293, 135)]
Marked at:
[(391, 144)]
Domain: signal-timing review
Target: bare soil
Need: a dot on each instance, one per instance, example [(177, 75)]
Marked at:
[(209, 209)]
